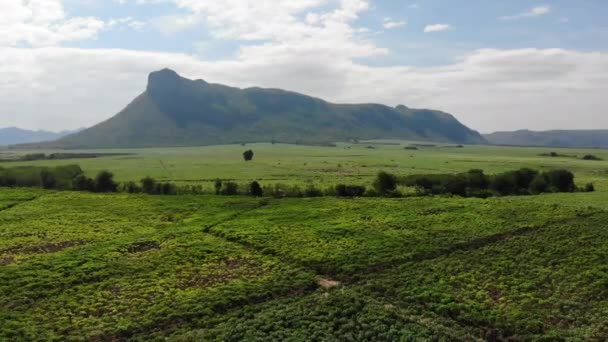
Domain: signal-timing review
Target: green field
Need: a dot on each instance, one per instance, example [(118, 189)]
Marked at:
[(107, 267), (350, 163)]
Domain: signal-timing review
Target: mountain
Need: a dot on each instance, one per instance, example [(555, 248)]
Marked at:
[(557, 138), (175, 111), (14, 135)]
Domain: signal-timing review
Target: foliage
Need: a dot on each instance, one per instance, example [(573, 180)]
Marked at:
[(248, 155), (385, 183), (104, 182), (343, 190), (255, 189), (475, 183)]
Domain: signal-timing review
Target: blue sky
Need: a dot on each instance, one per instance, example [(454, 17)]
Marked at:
[(496, 65), (475, 24)]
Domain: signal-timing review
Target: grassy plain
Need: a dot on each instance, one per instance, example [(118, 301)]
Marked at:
[(82, 266), (346, 163)]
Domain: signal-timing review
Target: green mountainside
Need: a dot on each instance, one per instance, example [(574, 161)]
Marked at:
[(557, 138), (175, 111)]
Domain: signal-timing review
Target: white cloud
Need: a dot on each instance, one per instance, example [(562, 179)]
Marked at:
[(310, 46), (42, 23), (389, 23), (531, 13), (129, 22), (488, 89), (437, 28)]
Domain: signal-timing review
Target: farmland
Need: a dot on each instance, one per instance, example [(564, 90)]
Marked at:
[(88, 266)]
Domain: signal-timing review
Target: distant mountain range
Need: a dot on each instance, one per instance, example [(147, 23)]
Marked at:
[(175, 111), (14, 135), (557, 138)]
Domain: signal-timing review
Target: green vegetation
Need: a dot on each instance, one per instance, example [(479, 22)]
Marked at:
[(174, 111), (130, 266), (476, 184)]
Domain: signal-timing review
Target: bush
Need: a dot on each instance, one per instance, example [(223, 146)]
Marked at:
[(148, 185), (343, 190), (229, 189), (562, 180), (218, 186), (475, 183), (311, 191), (104, 182), (255, 189), (47, 179), (385, 183), (591, 157), (131, 187), (248, 155), (589, 187), (83, 183)]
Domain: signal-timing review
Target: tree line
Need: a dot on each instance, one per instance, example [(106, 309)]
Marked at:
[(474, 183)]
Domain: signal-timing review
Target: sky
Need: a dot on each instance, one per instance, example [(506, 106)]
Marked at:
[(495, 65)]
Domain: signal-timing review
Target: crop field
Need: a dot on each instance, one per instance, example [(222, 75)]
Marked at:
[(78, 266)]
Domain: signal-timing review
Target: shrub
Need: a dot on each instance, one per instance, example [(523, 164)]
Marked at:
[(591, 157), (131, 187), (229, 189), (148, 185), (255, 189), (83, 183), (562, 180), (47, 179), (539, 184), (104, 182), (589, 187), (385, 183), (343, 190), (248, 155), (218, 186), (311, 191)]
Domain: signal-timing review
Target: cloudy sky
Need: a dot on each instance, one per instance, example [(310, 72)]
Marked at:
[(496, 65)]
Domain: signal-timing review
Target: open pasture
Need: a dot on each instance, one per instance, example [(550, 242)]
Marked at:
[(324, 166)]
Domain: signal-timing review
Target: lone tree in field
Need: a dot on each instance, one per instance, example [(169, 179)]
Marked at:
[(104, 182), (255, 189), (385, 183), (248, 155)]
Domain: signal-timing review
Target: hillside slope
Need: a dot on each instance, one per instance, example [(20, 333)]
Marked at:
[(557, 138), (174, 111), (14, 135)]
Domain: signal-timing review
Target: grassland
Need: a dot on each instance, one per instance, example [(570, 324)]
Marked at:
[(82, 266), (301, 165)]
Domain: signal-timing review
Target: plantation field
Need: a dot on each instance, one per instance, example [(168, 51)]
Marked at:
[(78, 266), (324, 166), (81, 266)]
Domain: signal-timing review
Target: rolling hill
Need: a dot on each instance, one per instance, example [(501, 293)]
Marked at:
[(175, 111), (14, 135), (557, 138)]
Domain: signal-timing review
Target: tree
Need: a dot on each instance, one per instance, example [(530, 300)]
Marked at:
[(385, 183), (218, 186), (255, 189), (83, 183), (47, 179), (248, 155), (104, 182), (539, 184), (131, 187), (562, 180), (229, 189), (148, 185)]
